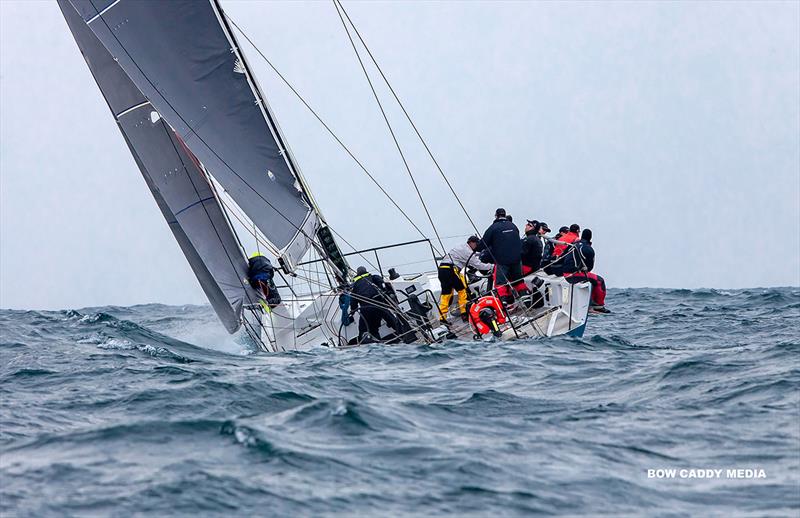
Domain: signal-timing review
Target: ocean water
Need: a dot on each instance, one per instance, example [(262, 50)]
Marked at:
[(154, 410)]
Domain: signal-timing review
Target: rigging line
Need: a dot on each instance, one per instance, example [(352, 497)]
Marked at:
[(414, 126), (200, 138), (336, 4), (324, 125)]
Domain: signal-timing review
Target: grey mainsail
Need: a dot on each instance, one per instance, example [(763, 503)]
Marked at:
[(182, 56), (172, 173)]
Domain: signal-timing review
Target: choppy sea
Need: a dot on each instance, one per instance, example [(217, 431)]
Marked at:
[(154, 410)]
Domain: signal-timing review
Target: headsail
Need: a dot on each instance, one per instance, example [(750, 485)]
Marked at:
[(175, 179), (182, 56)]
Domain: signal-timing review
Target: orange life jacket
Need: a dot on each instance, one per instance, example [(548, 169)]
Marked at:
[(569, 237), (482, 303)]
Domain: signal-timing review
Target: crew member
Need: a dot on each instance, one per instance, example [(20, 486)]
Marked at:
[(451, 276), (502, 241), (532, 247), (547, 246), (368, 294), (260, 273), (567, 238), (578, 265)]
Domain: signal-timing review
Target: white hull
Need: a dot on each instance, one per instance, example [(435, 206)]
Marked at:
[(303, 323)]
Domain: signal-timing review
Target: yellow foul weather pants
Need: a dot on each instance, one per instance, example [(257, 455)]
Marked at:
[(451, 279)]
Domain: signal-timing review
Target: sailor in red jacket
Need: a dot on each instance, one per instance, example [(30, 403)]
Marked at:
[(570, 237)]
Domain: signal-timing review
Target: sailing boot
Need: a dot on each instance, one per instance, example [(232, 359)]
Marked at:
[(444, 306)]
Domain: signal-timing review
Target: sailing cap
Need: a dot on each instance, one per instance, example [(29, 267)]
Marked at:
[(544, 226), (473, 239)]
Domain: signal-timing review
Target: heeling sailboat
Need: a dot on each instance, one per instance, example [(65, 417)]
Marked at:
[(214, 158)]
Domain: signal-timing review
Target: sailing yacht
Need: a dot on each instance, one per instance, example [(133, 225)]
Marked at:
[(214, 158)]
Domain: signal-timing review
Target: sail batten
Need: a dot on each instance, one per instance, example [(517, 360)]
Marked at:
[(182, 56), (128, 110), (173, 175)]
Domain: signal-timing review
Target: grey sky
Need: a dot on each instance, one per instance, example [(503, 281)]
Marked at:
[(672, 129)]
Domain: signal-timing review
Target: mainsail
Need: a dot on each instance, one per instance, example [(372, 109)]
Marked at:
[(183, 57), (174, 176)]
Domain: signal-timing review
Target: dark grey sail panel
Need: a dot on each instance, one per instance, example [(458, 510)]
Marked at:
[(179, 186), (229, 312), (180, 56)]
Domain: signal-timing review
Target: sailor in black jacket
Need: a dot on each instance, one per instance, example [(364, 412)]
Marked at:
[(531, 248), (578, 266), (368, 293), (502, 241), (581, 257), (260, 274)]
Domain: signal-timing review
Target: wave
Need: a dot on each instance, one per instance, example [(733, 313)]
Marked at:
[(153, 409)]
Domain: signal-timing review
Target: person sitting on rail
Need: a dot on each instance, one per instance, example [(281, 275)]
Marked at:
[(578, 265), (502, 241), (560, 243), (367, 294), (566, 238), (451, 276), (260, 274)]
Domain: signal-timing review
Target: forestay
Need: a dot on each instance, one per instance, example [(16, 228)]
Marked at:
[(175, 179), (183, 57)]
